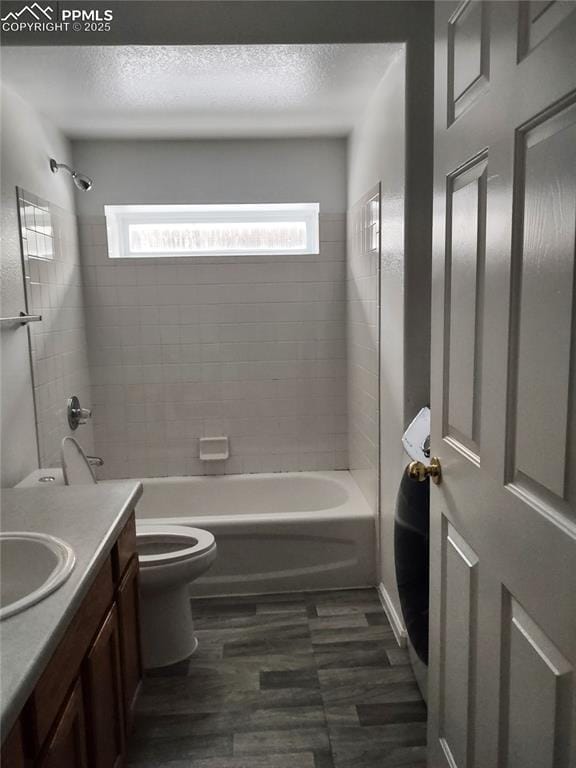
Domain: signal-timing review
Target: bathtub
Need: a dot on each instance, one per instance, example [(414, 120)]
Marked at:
[(275, 532)]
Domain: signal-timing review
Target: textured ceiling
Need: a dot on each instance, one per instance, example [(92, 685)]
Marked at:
[(198, 91)]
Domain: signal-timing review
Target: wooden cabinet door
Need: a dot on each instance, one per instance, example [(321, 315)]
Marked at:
[(130, 637), (13, 753), (125, 548), (64, 666), (67, 746), (104, 697)]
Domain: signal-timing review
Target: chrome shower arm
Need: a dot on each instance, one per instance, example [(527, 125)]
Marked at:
[(55, 167)]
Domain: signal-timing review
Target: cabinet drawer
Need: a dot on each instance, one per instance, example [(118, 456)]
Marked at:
[(64, 666), (125, 549)]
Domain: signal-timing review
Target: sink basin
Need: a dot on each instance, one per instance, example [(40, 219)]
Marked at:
[(32, 566)]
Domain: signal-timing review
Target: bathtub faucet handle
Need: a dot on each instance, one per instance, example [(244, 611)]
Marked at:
[(76, 414)]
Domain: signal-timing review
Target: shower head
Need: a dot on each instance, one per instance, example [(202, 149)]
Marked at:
[(82, 182)]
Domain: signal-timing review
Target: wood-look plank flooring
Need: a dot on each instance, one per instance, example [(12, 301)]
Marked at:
[(307, 680)]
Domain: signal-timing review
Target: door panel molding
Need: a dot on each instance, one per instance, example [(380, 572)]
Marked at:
[(458, 657), (540, 446), (468, 72), (466, 191), (536, 20), (537, 687)]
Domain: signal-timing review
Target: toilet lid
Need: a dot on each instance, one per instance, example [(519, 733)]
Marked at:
[(165, 544)]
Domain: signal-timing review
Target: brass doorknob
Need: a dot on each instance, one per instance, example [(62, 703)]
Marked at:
[(418, 471)]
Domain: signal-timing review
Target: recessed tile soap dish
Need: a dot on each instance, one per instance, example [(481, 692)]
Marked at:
[(214, 448)]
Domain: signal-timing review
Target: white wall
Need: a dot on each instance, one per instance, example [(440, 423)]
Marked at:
[(252, 347), (377, 153), (362, 347), (290, 170), (392, 144), (28, 142)]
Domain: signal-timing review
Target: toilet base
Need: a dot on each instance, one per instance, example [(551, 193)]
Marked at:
[(166, 627)]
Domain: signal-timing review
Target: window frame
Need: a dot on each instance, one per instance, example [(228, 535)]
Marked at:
[(119, 218)]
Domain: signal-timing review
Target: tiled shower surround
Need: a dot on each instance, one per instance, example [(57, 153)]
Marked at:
[(252, 347), (59, 347), (362, 329)]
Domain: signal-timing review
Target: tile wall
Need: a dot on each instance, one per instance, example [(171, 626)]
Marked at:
[(59, 343), (250, 347), (362, 334)]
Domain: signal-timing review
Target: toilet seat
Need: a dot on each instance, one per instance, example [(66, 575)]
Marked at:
[(171, 543)]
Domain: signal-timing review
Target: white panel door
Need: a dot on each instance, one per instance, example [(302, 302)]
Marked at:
[(502, 680)]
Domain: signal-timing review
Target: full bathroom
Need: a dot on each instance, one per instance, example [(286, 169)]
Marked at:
[(241, 391)]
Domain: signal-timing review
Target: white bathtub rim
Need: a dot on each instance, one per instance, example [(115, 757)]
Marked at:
[(354, 505), (200, 521)]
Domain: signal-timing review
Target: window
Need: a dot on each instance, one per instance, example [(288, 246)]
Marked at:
[(372, 223), (36, 230), (156, 231)]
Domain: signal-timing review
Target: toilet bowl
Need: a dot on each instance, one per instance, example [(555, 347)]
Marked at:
[(170, 558)]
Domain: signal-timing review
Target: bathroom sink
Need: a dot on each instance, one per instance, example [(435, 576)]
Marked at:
[(32, 566)]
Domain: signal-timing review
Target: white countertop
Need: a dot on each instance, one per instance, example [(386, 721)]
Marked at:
[(89, 518)]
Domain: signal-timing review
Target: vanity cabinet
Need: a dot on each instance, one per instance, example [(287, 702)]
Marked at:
[(80, 711), (104, 696), (131, 664), (67, 744), (13, 748)]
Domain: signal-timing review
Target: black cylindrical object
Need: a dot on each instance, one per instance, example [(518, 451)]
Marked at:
[(411, 552)]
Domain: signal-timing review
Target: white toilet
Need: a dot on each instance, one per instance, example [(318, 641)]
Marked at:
[(170, 558)]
